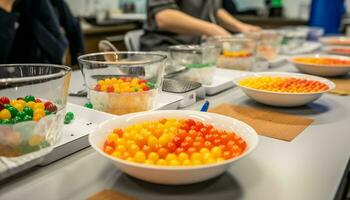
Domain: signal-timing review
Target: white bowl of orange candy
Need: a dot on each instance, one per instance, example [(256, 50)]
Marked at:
[(173, 147), (322, 65), (284, 89)]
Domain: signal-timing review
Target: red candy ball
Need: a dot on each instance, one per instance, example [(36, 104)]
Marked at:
[(50, 107), (5, 100)]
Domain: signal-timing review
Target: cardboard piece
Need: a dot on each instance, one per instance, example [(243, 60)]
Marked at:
[(267, 123), (342, 85), (108, 194)]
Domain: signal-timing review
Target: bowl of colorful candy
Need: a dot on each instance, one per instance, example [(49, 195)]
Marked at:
[(122, 82), (322, 65), (337, 50), (335, 40), (196, 62), (174, 147), (236, 52), (284, 89), (32, 108)]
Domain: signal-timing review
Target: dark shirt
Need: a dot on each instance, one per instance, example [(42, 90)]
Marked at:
[(155, 39), (39, 31)]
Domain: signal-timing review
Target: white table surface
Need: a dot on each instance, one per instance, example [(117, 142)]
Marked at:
[(310, 167)]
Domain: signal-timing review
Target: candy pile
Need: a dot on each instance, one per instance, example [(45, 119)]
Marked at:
[(323, 61), (123, 85), (173, 142), (24, 109), (340, 50), (237, 54), (283, 84)]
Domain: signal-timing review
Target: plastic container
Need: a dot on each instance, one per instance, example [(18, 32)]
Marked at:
[(236, 52), (27, 129), (111, 67), (196, 62)]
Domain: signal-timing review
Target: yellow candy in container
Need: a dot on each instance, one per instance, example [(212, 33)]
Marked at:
[(123, 82)]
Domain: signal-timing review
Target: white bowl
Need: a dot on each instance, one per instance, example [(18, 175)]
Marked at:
[(330, 50), (335, 40), (180, 174), (283, 99), (319, 69)]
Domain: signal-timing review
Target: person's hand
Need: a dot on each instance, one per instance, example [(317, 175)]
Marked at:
[(7, 5), (247, 28), (216, 30)]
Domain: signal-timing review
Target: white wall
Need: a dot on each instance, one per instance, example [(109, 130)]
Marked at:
[(292, 8)]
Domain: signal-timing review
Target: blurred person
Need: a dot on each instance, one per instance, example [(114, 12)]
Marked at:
[(38, 31), (172, 22)]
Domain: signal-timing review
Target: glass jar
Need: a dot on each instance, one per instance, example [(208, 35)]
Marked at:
[(123, 82)]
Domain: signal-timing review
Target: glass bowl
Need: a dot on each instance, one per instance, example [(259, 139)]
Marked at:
[(236, 52), (268, 43), (195, 62), (293, 37), (32, 107), (122, 82)]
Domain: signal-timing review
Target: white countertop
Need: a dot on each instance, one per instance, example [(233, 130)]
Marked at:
[(310, 167)]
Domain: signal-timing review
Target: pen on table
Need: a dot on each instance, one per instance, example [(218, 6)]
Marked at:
[(205, 106)]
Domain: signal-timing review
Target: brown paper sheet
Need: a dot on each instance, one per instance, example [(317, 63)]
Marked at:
[(342, 85), (109, 195), (267, 123)]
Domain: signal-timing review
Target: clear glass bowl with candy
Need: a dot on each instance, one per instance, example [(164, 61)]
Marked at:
[(33, 98), (123, 82), (268, 43), (195, 62), (236, 52)]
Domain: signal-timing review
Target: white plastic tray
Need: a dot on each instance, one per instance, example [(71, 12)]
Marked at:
[(277, 62), (74, 136), (223, 79)]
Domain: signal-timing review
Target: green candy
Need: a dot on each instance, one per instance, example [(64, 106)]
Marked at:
[(16, 119), (29, 98), (13, 111), (27, 118), (47, 112), (88, 105), (21, 114), (68, 118), (70, 115), (28, 111), (136, 89), (150, 84), (6, 121)]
